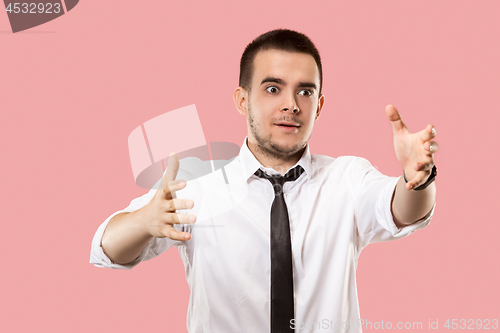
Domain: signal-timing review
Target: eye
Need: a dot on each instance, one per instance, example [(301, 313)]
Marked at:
[(306, 92), (272, 89)]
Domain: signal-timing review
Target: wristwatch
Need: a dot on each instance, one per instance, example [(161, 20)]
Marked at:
[(429, 181)]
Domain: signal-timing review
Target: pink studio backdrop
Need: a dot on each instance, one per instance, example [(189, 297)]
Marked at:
[(73, 89)]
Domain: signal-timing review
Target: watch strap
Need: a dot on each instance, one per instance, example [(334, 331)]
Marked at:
[(429, 181)]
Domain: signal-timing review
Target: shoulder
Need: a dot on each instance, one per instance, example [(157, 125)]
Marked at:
[(352, 164), (350, 171)]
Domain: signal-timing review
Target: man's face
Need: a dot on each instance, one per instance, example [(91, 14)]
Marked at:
[(283, 102)]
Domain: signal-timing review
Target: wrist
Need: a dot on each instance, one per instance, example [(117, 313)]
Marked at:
[(430, 179), (141, 221)]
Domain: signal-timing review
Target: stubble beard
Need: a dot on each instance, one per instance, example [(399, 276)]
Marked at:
[(270, 148)]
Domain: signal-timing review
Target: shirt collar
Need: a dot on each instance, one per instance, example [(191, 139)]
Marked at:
[(250, 164)]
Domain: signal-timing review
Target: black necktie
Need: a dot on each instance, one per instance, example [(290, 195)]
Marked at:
[(282, 309)]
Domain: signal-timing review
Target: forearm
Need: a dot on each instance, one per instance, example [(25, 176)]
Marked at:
[(125, 237), (409, 206)]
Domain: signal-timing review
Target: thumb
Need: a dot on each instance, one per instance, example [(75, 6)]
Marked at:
[(169, 184), (395, 118), (172, 168), (170, 174)]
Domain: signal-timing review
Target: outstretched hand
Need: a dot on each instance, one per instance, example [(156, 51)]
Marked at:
[(160, 214), (414, 151)]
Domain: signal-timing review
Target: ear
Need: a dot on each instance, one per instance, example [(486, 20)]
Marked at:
[(241, 100), (320, 106)]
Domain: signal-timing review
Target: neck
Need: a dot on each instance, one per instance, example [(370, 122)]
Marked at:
[(278, 162)]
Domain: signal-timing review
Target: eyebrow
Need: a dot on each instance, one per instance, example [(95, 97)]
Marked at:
[(280, 81)]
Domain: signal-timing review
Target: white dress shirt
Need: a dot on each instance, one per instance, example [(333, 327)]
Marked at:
[(336, 208)]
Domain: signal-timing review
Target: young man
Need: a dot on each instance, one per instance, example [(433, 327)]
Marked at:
[(286, 255)]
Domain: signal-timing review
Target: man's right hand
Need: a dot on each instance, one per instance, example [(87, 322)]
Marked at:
[(159, 216)]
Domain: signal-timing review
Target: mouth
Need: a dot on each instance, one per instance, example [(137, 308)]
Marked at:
[(289, 127)]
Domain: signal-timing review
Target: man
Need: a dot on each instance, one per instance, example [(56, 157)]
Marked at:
[(286, 255)]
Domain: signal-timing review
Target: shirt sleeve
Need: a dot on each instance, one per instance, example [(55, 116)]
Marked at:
[(373, 196), (154, 248)]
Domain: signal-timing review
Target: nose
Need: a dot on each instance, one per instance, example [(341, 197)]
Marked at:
[(290, 104)]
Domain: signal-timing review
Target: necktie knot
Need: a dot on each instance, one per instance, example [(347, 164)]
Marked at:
[(278, 180)]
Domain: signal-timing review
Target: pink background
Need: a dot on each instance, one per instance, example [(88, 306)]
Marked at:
[(73, 89)]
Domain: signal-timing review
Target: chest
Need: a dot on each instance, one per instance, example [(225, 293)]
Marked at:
[(238, 237)]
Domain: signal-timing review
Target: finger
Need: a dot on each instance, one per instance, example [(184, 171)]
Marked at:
[(428, 133), (168, 183), (395, 118), (431, 146), (418, 179), (173, 185), (164, 193), (424, 163), (424, 166), (171, 174), (176, 204), (176, 185), (176, 235), (180, 218), (173, 167)]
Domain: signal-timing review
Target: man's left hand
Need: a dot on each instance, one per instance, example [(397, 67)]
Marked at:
[(415, 151)]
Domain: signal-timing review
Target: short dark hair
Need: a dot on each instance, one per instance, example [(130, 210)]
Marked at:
[(279, 39)]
